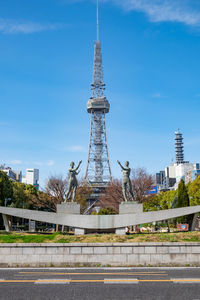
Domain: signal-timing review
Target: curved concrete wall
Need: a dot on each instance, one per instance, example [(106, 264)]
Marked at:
[(99, 221)]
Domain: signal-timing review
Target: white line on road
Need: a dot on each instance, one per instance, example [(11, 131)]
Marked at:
[(185, 280), (52, 281)]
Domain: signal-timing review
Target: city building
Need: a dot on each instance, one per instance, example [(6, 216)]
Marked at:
[(163, 182), (31, 177), (170, 178), (13, 175), (179, 147), (192, 175), (160, 177)]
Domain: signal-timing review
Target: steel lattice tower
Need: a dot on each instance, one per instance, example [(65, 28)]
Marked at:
[(98, 171), (179, 147)]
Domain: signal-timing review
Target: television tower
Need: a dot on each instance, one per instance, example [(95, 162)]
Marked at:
[(179, 147), (98, 171)]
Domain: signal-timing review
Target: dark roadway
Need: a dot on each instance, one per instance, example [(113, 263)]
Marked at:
[(102, 283)]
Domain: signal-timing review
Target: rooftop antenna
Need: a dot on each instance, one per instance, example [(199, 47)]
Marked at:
[(97, 20)]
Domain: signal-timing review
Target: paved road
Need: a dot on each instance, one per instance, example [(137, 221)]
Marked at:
[(102, 283)]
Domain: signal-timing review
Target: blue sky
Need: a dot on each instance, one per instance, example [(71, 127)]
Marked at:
[(151, 58)]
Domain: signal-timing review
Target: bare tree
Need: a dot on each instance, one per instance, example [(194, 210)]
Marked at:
[(82, 194), (142, 183), (53, 194), (112, 195), (56, 187)]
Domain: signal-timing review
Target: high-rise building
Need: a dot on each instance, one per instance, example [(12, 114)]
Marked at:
[(98, 171), (32, 177), (179, 147)]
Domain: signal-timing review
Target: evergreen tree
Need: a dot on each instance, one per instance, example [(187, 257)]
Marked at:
[(182, 200)]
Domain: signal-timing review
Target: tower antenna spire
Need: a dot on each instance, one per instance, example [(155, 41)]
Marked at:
[(97, 20)]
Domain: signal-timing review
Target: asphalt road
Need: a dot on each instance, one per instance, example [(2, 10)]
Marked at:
[(100, 284)]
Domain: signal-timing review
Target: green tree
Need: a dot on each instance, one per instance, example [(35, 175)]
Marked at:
[(182, 200), (6, 190), (22, 194), (107, 211), (30, 189), (159, 202), (151, 203), (194, 192), (182, 195), (166, 199)]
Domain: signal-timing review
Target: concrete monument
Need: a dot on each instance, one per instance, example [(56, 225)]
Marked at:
[(99, 222)]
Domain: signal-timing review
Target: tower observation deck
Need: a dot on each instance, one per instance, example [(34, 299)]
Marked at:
[(98, 171)]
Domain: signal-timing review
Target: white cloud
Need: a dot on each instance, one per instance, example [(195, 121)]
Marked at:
[(164, 10), (76, 148), (16, 162), (182, 11), (50, 163), (13, 27)]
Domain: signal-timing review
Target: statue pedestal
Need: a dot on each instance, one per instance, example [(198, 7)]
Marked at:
[(128, 208), (71, 208), (68, 208)]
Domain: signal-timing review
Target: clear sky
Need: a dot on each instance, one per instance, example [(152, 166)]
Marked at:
[(151, 58)]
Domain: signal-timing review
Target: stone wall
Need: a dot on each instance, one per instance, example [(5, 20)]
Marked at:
[(117, 254)]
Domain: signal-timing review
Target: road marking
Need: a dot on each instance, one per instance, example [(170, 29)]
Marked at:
[(52, 281), (62, 273), (175, 280), (186, 280), (14, 280), (121, 281)]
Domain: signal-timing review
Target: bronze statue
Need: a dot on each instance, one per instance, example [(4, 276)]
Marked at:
[(126, 182), (72, 183)]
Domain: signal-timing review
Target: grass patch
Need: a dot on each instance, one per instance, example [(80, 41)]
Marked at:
[(26, 238), (14, 237)]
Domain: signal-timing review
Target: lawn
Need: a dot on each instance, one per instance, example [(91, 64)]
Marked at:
[(14, 237)]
